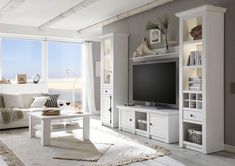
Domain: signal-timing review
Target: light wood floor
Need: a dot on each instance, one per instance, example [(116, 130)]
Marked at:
[(182, 156), (185, 157), (179, 156)]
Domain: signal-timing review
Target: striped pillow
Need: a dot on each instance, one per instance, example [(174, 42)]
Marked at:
[(52, 102)]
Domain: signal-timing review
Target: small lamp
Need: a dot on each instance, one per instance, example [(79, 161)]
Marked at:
[(69, 71)]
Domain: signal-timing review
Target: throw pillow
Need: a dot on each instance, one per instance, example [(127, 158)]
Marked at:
[(13, 101), (52, 102), (39, 102)]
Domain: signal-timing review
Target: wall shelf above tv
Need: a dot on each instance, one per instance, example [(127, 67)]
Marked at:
[(173, 53)]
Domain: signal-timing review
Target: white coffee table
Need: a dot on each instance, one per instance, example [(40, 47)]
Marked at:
[(46, 124)]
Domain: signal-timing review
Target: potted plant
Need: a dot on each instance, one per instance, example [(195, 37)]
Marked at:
[(162, 26)]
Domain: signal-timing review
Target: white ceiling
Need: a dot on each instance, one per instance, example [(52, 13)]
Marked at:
[(35, 13)]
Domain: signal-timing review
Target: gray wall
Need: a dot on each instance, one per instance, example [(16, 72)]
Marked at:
[(96, 57), (135, 26)]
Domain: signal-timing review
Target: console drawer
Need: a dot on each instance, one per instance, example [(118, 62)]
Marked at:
[(192, 115), (107, 91)]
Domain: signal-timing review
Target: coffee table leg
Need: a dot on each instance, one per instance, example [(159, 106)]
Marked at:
[(32, 130), (86, 128), (46, 132)]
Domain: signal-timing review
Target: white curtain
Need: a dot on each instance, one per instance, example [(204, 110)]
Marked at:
[(88, 79)]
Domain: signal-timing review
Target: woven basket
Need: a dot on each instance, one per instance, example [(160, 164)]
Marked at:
[(142, 124), (195, 136)]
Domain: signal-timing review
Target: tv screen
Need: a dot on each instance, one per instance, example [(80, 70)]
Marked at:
[(155, 82)]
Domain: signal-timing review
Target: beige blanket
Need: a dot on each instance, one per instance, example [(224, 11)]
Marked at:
[(9, 115)]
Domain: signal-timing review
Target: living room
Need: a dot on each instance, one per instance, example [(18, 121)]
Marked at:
[(141, 82)]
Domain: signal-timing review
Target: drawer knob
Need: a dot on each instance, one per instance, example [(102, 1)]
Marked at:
[(130, 119), (106, 91), (191, 115), (151, 124)]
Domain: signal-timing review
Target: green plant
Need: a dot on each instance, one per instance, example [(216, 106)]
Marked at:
[(162, 26)]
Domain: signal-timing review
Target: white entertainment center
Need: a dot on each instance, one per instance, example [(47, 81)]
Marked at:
[(156, 123), (159, 123), (197, 69)]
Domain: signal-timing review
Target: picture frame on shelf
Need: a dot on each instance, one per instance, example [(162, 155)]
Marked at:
[(155, 36), (21, 78)]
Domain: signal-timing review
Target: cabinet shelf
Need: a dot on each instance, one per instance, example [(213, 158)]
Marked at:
[(172, 54), (192, 109), (193, 67), (156, 57), (140, 132), (192, 144), (192, 121), (193, 42), (191, 91)]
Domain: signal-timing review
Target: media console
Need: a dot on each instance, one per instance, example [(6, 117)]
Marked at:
[(157, 123)]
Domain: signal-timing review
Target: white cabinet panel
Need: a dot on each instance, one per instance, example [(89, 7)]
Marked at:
[(128, 119), (106, 109), (158, 126)]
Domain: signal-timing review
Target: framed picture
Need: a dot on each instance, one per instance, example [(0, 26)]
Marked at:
[(155, 36), (21, 78)]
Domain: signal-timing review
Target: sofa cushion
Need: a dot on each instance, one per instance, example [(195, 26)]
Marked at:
[(52, 102), (13, 101), (39, 102), (28, 98)]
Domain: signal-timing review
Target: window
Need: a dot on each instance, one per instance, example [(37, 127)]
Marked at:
[(65, 70), (20, 56)]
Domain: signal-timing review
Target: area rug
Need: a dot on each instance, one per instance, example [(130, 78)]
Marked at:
[(8, 156), (106, 148), (74, 149)]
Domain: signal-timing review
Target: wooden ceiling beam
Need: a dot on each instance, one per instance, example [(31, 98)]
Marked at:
[(121, 16)]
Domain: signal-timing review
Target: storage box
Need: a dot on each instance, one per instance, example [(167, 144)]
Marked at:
[(195, 136), (142, 124)]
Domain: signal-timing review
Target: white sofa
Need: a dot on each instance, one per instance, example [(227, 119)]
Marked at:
[(27, 101)]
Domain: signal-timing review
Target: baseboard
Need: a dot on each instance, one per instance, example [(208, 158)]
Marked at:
[(229, 148)]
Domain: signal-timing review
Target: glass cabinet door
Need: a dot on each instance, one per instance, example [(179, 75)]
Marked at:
[(107, 61)]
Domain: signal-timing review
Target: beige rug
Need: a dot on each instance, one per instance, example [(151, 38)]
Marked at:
[(73, 149), (106, 148), (9, 157)]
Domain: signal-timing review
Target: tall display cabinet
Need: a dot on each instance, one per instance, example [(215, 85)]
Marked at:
[(114, 76), (202, 78)]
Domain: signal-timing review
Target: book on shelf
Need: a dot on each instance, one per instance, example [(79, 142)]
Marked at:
[(195, 88), (194, 59), (195, 78), (195, 83)]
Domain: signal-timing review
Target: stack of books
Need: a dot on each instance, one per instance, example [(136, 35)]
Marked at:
[(50, 112), (195, 83), (194, 58)]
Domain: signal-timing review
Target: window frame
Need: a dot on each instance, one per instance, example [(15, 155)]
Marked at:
[(44, 40)]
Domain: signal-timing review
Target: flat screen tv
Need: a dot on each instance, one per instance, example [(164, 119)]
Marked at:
[(155, 82)]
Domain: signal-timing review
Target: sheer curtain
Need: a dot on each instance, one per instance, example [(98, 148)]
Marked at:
[(88, 77)]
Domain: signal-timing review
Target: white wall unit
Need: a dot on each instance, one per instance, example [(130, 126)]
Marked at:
[(203, 107), (114, 76), (161, 124)]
